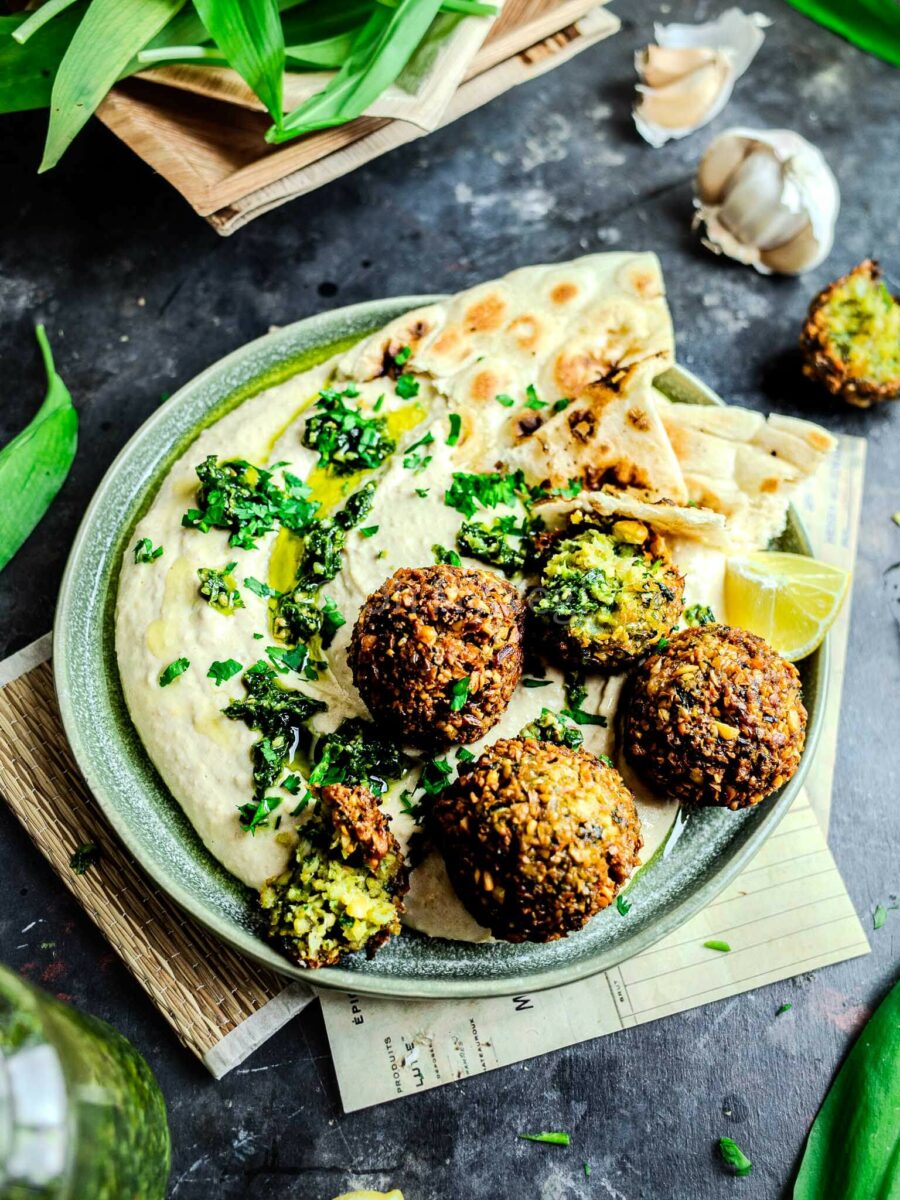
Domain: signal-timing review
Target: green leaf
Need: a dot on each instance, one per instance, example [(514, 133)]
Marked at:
[(783, 1008), (381, 49), (554, 1139), (221, 672), (34, 465), (173, 670), (455, 427), (249, 34), (580, 717), (623, 906), (879, 916), (734, 1156), (105, 42), (872, 24), (459, 693), (48, 10)]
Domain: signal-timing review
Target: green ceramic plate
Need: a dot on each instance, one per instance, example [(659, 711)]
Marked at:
[(712, 847)]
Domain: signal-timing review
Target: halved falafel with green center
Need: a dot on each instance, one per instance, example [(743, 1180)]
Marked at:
[(716, 718), (537, 838), (436, 652), (607, 593), (344, 889)]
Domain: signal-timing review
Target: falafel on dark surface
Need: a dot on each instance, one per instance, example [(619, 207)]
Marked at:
[(537, 838), (344, 890), (716, 718), (436, 652), (607, 592)]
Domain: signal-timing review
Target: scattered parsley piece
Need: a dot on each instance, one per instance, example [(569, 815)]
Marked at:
[(332, 620), (435, 776), (580, 717), (605, 759), (445, 557), (467, 493), (554, 1139), (173, 670), (506, 401), (255, 816), (623, 905), (562, 404), (423, 492), (407, 387), (377, 406), (412, 460), (221, 672), (258, 637), (402, 355), (459, 693), (455, 427), (144, 551), (549, 727), (533, 400), (301, 805), (533, 683), (292, 784), (783, 1009), (734, 1156), (464, 755), (259, 589), (87, 855), (346, 440), (715, 944), (586, 1166), (879, 916), (296, 659), (370, 530)]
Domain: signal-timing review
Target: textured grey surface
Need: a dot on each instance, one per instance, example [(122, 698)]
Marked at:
[(548, 172)]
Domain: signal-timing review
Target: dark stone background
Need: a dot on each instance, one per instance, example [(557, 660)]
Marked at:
[(547, 172)]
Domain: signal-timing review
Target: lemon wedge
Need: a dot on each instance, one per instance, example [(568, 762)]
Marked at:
[(788, 599)]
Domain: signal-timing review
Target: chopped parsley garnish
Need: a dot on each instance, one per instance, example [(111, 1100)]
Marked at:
[(332, 620), (173, 670), (576, 692), (561, 405), (623, 905), (464, 755), (715, 944), (445, 557), (219, 590), (255, 815), (296, 660), (413, 460), (783, 1009), (423, 492), (533, 400), (568, 490), (370, 531), (455, 428), (662, 644), (292, 784), (734, 1156), (879, 917), (435, 776), (301, 804), (553, 1139), (605, 759), (699, 614), (87, 855), (144, 551), (355, 753), (402, 355), (346, 440), (459, 693), (407, 387), (587, 1170), (258, 589), (221, 672), (580, 717), (536, 683), (244, 499), (549, 727), (506, 401), (467, 493)]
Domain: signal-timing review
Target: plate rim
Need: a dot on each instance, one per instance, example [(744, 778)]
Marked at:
[(338, 978)]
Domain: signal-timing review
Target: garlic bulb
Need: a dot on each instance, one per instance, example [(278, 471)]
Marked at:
[(767, 198), (688, 76)]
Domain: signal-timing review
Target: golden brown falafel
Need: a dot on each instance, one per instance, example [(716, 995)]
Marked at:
[(607, 593), (436, 652), (715, 718), (537, 838)]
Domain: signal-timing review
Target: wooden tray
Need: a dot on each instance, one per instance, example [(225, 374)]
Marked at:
[(214, 153)]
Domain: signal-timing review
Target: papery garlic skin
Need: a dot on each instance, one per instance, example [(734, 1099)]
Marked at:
[(689, 75), (767, 198)]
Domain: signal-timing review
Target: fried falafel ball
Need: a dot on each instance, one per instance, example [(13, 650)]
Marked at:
[(607, 593), (344, 890), (851, 339), (436, 652), (537, 838), (716, 718)]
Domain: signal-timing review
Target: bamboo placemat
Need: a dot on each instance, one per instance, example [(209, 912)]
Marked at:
[(214, 153)]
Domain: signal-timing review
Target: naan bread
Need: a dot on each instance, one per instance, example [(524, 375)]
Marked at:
[(595, 332), (743, 464)]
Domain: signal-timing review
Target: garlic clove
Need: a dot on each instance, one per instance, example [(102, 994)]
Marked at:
[(689, 75), (767, 198)]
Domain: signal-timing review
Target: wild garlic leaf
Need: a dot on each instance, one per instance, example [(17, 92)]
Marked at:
[(109, 36), (27, 71), (34, 465), (249, 34)]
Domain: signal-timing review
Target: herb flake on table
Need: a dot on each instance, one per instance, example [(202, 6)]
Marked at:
[(459, 693), (86, 856), (879, 917), (783, 1008), (145, 552), (551, 1138), (734, 1156), (715, 944), (173, 670), (221, 672)]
